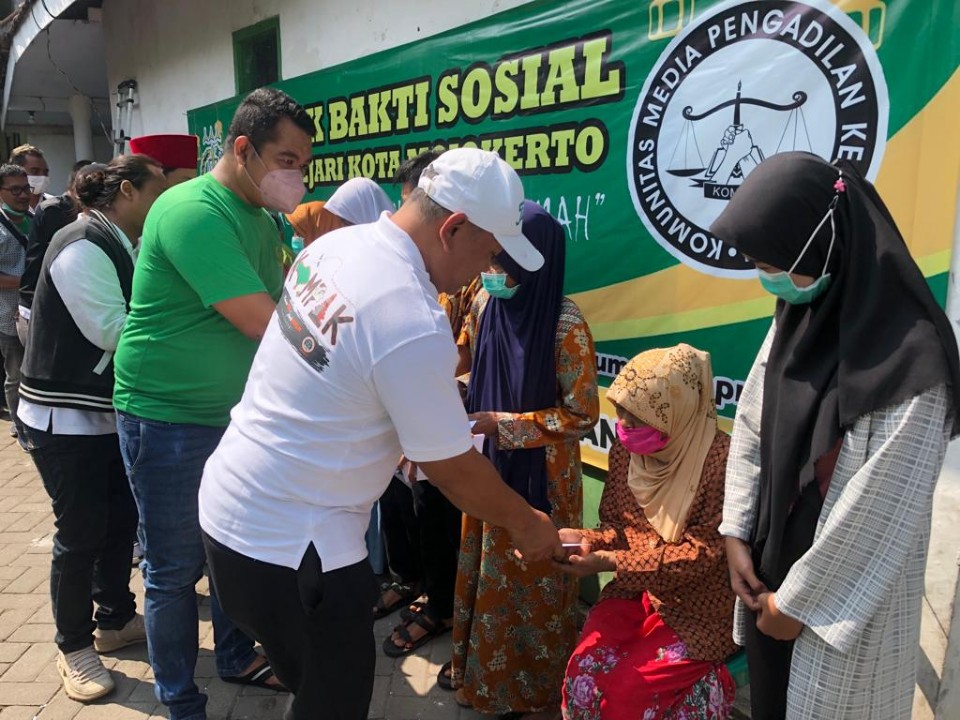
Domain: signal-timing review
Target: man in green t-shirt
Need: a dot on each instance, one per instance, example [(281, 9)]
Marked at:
[(206, 284)]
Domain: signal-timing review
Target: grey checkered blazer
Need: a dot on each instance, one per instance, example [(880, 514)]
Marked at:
[(858, 590)]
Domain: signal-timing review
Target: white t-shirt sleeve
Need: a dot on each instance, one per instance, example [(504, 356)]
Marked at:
[(415, 383)]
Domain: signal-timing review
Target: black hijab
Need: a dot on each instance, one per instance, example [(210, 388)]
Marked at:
[(875, 338), (515, 367)]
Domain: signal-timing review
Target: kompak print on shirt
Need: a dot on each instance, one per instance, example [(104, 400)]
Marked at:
[(311, 311)]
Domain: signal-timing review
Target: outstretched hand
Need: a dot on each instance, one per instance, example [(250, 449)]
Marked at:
[(538, 539), (581, 560), (485, 423)]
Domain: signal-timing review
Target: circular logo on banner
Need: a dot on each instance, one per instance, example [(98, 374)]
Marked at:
[(739, 84)]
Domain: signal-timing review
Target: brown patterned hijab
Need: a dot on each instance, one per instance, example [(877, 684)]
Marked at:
[(670, 389)]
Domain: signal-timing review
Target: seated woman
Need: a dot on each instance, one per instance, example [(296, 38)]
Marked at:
[(653, 646)]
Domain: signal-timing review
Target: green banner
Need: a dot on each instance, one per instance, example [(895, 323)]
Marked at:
[(633, 123)]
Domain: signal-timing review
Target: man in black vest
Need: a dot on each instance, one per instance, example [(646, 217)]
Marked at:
[(15, 220)]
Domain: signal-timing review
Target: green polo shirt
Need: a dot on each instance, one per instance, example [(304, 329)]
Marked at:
[(179, 360)]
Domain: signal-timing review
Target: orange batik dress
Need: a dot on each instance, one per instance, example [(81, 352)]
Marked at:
[(515, 623)]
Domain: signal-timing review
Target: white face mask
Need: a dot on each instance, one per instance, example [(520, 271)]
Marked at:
[(38, 183)]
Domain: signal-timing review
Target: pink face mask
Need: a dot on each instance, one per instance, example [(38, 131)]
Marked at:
[(643, 440), (280, 189)]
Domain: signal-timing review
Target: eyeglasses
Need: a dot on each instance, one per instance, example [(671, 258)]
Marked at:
[(17, 190)]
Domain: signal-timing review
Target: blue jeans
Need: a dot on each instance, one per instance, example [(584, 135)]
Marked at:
[(12, 350), (165, 462), (376, 552)]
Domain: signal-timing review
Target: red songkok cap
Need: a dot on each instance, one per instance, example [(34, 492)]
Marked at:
[(171, 151)]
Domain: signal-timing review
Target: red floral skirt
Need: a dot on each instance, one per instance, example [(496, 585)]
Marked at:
[(629, 665)]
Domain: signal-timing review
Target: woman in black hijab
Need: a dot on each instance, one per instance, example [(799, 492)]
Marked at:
[(839, 439)]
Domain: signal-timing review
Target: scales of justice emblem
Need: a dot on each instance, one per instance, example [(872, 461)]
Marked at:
[(737, 84), (736, 153)]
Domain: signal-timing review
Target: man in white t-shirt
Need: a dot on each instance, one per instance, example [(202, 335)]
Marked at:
[(357, 367)]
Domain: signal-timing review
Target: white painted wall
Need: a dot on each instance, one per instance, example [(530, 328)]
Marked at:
[(56, 142), (181, 51)]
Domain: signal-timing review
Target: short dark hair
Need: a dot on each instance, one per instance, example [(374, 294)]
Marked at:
[(18, 156), (259, 113), (96, 186), (430, 209), (73, 171), (11, 170), (410, 169)]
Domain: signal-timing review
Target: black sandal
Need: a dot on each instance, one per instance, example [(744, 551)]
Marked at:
[(433, 628), (412, 610), (445, 681), (258, 677), (406, 592)]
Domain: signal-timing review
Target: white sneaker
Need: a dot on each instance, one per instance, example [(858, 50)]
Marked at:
[(84, 677), (130, 634)]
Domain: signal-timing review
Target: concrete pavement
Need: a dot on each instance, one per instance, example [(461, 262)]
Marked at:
[(30, 687), (404, 689)]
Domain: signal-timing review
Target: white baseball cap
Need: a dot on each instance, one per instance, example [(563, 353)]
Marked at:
[(489, 192)]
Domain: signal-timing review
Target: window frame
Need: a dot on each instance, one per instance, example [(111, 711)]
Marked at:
[(245, 33)]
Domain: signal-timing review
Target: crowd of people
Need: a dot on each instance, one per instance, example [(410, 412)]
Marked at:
[(184, 383)]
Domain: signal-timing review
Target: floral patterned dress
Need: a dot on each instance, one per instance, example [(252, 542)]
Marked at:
[(653, 646), (515, 623)]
